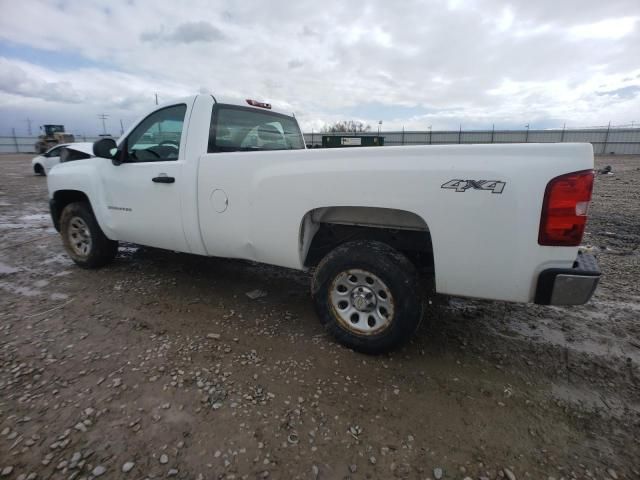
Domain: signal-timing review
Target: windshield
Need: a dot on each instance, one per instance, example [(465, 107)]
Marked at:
[(51, 129), (246, 129)]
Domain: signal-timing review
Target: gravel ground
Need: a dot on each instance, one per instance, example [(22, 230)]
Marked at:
[(161, 366)]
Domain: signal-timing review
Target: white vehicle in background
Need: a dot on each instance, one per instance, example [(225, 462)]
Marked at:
[(380, 228), (44, 162)]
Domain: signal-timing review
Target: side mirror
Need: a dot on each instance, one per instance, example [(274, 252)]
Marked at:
[(105, 148)]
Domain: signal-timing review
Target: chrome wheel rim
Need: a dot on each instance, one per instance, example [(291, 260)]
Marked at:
[(79, 236), (361, 302)]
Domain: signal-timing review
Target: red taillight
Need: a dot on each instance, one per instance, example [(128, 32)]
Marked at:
[(564, 209), (255, 103)]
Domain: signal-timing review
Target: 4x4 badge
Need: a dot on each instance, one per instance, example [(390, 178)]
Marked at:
[(494, 186)]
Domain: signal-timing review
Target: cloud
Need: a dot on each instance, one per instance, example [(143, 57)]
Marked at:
[(295, 64), (613, 28), (630, 91), (418, 63), (307, 31), (188, 32), (18, 81)]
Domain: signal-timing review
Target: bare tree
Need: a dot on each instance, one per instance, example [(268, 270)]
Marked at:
[(347, 126)]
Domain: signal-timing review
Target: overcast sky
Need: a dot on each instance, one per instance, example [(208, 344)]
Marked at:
[(411, 63)]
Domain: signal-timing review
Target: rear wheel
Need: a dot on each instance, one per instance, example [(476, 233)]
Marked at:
[(38, 169), (83, 238), (368, 296)]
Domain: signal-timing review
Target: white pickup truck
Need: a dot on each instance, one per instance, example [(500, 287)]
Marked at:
[(379, 227)]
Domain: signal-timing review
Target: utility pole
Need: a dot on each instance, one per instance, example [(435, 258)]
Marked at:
[(29, 126), (606, 138), (121, 128), (15, 140), (430, 133), (526, 138), (156, 99), (103, 117)]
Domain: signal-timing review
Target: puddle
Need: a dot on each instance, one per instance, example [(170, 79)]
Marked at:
[(623, 305), (38, 217), (7, 269), (13, 226), (39, 220), (59, 258), (590, 400), (591, 330), (19, 290), (578, 340)]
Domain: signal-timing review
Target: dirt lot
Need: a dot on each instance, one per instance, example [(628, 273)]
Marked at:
[(162, 360)]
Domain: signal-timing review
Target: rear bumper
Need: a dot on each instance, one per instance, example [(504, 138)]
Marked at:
[(569, 286)]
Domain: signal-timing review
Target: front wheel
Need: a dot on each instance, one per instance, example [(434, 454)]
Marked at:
[(368, 296), (83, 238)]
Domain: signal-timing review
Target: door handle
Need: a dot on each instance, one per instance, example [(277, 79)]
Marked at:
[(163, 179)]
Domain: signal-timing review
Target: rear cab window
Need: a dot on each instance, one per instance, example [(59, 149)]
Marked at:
[(242, 129)]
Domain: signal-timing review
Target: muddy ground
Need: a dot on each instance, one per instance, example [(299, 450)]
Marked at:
[(161, 360)]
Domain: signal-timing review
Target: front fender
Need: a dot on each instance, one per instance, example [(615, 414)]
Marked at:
[(77, 181)]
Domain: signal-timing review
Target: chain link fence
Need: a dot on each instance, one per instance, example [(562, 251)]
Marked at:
[(26, 144), (619, 141)]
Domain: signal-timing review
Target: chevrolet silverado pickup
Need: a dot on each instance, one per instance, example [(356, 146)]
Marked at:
[(380, 228)]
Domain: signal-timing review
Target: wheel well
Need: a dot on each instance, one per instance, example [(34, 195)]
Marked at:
[(61, 199), (37, 168), (324, 229)]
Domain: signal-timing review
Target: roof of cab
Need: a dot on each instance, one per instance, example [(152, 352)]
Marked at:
[(243, 103), (226, 100)]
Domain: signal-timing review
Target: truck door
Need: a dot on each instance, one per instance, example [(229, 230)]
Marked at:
[(142, 194)]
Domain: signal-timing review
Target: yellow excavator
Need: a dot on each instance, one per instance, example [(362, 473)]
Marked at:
[(52, 136)]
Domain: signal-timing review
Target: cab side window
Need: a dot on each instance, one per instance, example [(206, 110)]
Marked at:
[(157, 137)]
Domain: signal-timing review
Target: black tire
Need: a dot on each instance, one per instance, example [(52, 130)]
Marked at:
[(39, 170), (99, 250), (391, 269)]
